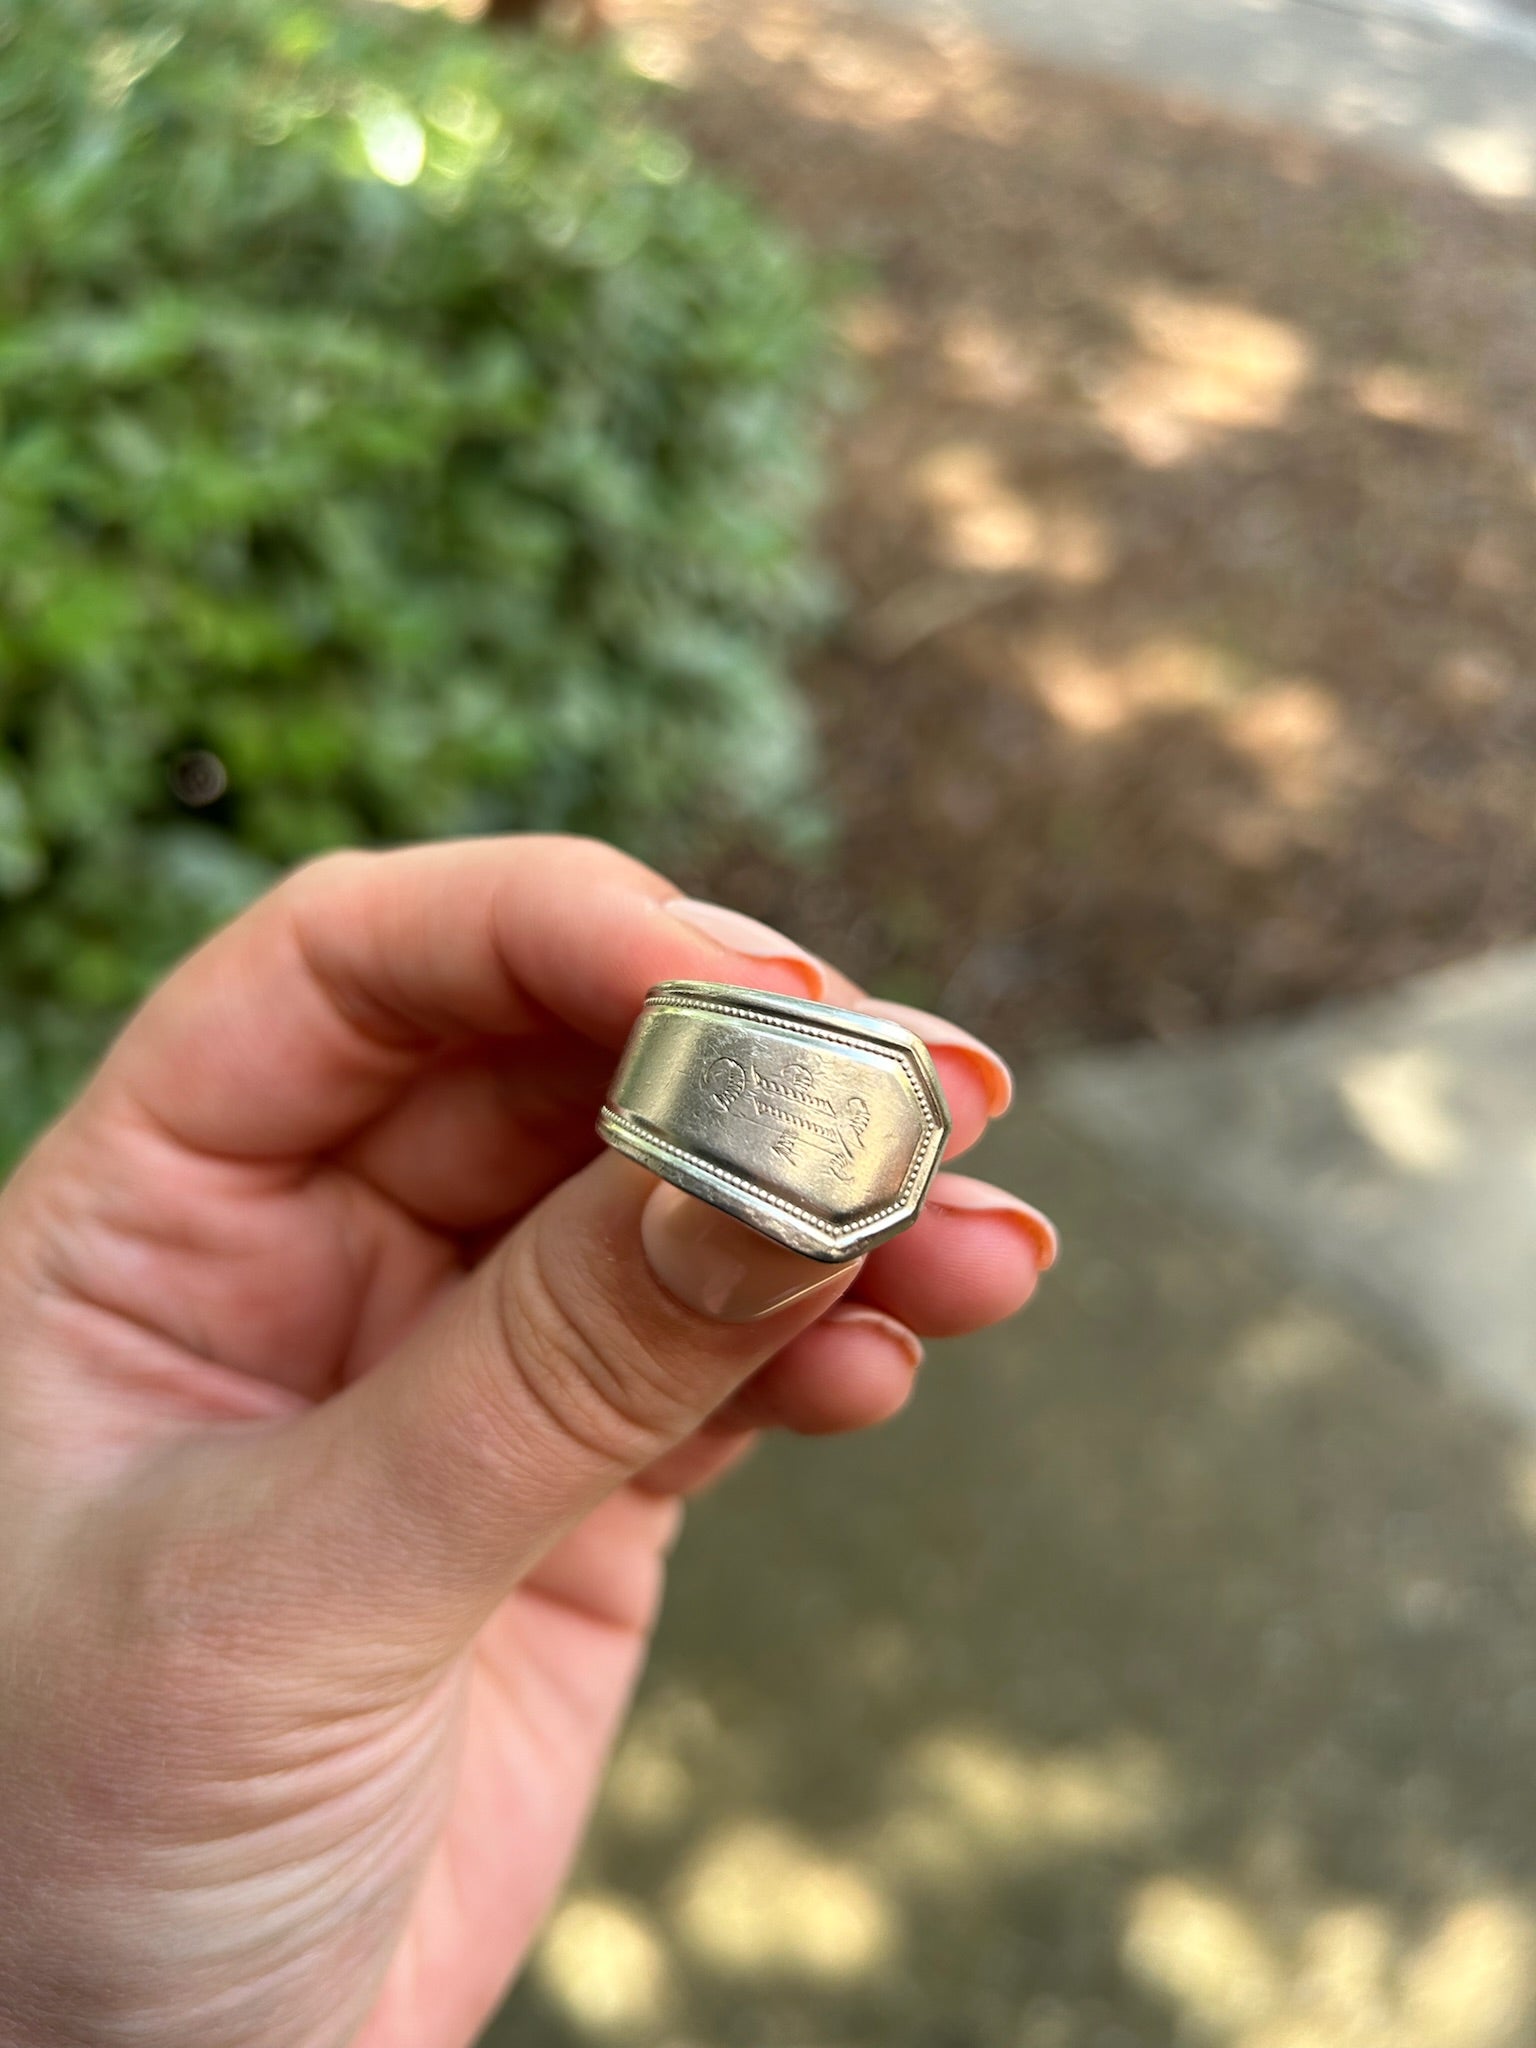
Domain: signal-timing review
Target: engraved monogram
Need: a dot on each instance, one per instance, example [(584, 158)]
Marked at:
[(796, 1103)]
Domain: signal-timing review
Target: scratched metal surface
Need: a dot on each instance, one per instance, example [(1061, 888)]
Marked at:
[(820, 1127)]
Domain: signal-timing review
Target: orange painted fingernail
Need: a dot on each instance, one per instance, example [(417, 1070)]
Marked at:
[(856, 1315), (990, 1068), (739, 933), (959, 1193)]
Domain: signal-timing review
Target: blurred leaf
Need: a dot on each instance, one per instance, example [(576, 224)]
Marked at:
[(394, 412)]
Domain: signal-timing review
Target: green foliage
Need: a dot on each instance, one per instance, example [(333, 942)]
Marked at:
[(392, 411)]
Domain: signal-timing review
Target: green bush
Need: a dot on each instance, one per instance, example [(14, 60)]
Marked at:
[(398, 436)]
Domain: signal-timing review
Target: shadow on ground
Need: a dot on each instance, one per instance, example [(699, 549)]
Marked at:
[(1167, 1675), (1189, 535), (1167, 1678)]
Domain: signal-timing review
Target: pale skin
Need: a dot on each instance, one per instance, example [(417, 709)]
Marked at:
[(345, 1421)]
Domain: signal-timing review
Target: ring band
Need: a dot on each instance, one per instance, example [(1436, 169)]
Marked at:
[(819, 1127)]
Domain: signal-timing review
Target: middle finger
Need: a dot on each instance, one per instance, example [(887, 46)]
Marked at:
[(488, 1129)]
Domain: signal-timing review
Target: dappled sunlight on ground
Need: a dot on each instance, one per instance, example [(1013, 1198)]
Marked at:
[(1103, 693), (989, 367), (1204, 367), (1403, 1102), (968, 1802), (1202, 1953), (1386, 1146), (1166, 1678), (1287, 1351), (1497, 163), (761, 1899), (1345, 1979), (604, 1966), (1408, 398), (1188, 534), (984, 523)]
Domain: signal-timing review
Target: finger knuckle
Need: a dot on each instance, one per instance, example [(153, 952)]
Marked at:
[(579, 1361), (325, 875), (594, 860)]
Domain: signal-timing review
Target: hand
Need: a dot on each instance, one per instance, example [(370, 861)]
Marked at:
[(347, 1393)]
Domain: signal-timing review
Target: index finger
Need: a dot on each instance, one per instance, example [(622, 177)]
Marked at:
[(304, 1019)]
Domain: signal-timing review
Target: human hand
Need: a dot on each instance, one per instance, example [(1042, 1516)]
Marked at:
[(348, 1390)]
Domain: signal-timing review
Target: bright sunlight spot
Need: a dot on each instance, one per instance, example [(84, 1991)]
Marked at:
[(601, 1964), (1400, 1102), (1208, 368), (394, 141), (762, 1900)]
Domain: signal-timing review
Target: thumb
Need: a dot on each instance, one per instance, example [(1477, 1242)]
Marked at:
[(603, 1329)]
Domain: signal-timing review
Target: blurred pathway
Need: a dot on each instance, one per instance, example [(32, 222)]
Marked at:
[(1387, 1147), (1167, 1675), (1446, 83)]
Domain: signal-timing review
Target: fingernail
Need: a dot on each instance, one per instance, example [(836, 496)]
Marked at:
[(990, 1068), (854, 1315), (958, 1191), (742, 934), (714, 1264)]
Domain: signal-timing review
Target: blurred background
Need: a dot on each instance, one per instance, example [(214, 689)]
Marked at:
[(1041, 504)]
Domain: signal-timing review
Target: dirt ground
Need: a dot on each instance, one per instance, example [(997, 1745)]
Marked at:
[(1188, 533)]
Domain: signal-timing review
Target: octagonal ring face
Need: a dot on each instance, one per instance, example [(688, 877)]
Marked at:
[(819, 1127)]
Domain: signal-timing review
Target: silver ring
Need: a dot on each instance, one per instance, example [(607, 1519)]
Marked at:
[(820, 1127)]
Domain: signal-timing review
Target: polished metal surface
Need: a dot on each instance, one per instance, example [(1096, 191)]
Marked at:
[(820, 1127)]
